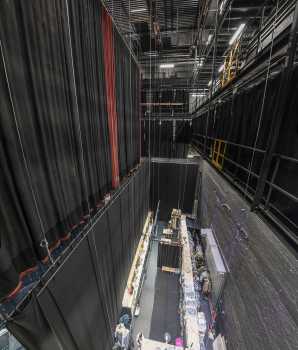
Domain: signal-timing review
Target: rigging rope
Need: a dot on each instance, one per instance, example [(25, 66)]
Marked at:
[(159, 123), (263, 103), (130, 92), (89, 216)]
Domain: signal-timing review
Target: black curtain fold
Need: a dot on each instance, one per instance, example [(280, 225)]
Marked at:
[(128, 106), (54, 146), (173, 184), (32, 329), (244, 121)]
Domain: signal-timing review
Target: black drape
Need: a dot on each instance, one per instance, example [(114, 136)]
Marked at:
[(173, 184), (168, 139), (54, 145)]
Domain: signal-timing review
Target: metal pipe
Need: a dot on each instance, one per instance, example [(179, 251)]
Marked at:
[(162, 104), (272, 181)]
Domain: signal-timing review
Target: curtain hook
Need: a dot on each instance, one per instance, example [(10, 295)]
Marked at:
[(45, 244)]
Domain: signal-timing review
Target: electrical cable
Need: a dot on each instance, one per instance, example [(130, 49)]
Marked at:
[(89, 216), (159, 123)]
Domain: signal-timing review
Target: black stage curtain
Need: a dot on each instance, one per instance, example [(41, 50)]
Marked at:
[(80, 303), (55, 154), (174, 185), (168, 139), (128, 106), (237, 122)]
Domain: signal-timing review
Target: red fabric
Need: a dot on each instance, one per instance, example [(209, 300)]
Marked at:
[(140, 115), (109, 67)]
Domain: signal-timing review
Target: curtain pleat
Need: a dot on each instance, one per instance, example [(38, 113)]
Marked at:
[(242, 123), (80, 306), (109, 65), (55, 155)]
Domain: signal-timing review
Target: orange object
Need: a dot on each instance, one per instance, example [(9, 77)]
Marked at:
[(109, 67)]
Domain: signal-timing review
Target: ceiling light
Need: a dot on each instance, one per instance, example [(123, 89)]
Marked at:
[(237, 33), (209, 39), (151, 53), (167, 65), (198, 95), (139, 10), (221, 68)]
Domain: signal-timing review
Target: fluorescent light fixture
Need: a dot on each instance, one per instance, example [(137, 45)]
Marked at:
[(3, 331), (237, 33), (210, 82), (167, 65), (139, 10), (209, 39), (151, 53), (201, 62), (221, 68), (222, 6), (198, 95)]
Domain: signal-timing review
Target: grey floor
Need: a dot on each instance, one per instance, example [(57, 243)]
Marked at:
[(143, 321), (260, 306), (165, 315)]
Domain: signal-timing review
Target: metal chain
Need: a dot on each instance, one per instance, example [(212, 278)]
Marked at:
[(44, 242)]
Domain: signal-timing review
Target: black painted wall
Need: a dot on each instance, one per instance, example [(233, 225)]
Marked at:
[(78, 307), (259, 305)]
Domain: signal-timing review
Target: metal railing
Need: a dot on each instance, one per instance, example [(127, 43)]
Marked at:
[(271, 184)]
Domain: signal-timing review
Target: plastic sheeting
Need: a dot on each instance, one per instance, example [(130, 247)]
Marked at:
[(79, 305), (241, 123), (258, 310), (55, 148), (168, 139)]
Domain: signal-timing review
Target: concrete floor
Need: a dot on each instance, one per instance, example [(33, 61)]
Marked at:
[(159, 300), (260, 304), (143, 321)]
